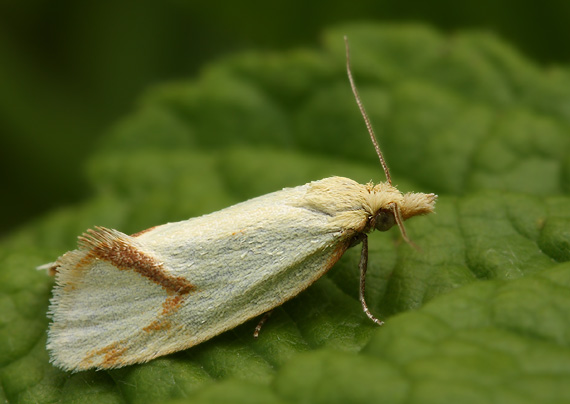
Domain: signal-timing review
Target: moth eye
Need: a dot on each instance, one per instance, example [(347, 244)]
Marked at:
[(385, 220)]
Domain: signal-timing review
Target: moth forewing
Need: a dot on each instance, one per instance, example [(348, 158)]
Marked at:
[(123, 299)]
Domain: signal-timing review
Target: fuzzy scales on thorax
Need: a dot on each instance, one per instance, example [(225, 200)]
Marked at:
[(354, 203)]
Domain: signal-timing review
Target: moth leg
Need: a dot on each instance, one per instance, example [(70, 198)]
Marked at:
[(363, 265), (261, 322)]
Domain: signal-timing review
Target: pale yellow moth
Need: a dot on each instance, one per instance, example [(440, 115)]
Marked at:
[(123, 299)]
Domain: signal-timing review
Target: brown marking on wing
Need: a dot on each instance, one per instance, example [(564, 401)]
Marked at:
[(337, 254), (86, 363), (171, 304), (70, 269), (158, 325), (143, 231), (169, 307), (112, 355), (117, 249), (85, 262)]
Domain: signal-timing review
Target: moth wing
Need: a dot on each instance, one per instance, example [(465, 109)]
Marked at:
[(121, 299), (98, 302)]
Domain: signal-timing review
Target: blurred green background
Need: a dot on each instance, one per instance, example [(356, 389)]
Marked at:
[(69, 68)]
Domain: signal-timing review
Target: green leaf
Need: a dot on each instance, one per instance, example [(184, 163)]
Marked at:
[(478, 314)]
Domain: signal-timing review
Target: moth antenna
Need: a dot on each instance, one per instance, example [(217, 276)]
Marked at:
[(400, 222), (365, 115)]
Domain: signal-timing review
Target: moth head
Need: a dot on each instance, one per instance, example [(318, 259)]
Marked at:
[(396, 210), (412, 204)]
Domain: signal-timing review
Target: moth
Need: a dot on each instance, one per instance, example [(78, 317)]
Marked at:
[(122, 299)]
